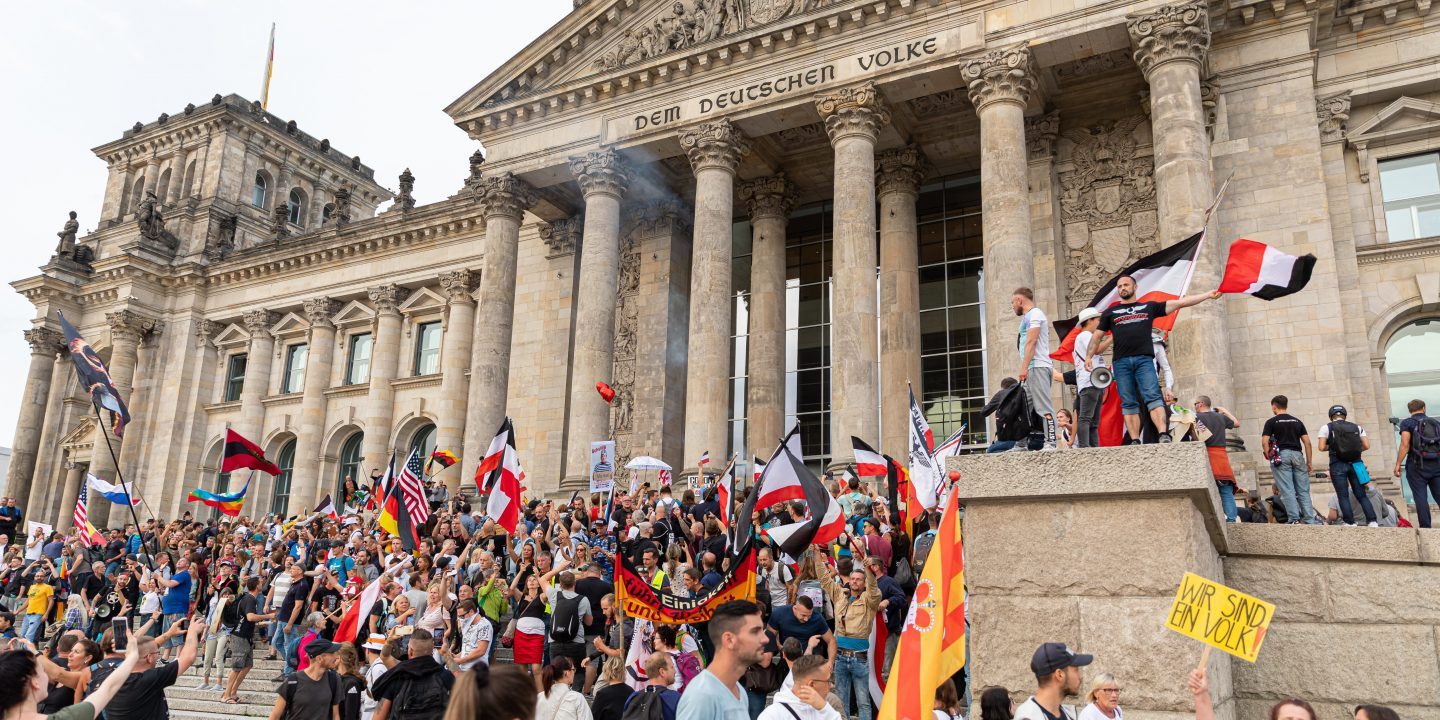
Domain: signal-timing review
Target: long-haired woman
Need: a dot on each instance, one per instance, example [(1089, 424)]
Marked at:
[(504, 692), (23, 681), (557, 701)]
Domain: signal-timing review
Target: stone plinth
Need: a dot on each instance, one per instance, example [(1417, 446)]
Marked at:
[(1087, 547)]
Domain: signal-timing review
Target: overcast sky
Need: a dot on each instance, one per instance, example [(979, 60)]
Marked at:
[(373, 77)]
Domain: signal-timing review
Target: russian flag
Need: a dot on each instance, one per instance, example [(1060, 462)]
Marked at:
[(118, 494), (1264, 272)]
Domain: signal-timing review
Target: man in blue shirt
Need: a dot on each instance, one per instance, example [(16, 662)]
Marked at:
[(176, 604), (739, 639), (802, 622), (1419, 453)]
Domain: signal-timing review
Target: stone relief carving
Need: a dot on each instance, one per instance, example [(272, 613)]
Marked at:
[(1040, 135), (941, 102), (221, 240), (1107, 204), (1333, 113), (812, 134), (627, 320), (695, 22), (563, 237)]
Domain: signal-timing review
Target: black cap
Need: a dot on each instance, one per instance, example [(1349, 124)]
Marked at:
[(1055, 656), (1338, 410), (320, 646)]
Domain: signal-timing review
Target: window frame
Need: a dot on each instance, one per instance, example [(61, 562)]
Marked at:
[(282, 489), (293, 380), (234, 387), (1411, 204), (350, 344), (421, 352), (295, 201), (260, 186)]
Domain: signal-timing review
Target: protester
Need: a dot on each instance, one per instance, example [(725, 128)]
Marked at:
[(1419, 456), (1036, 368), (501, 693), (613, 698), (1103, 700), (570, 613), (556, 699), (1345, 442), (661, 671), (1215, 421), (995, 704), (805, 699), (739, 639), (947, 702), (314, 692), (417, 688), (24, 682), (142, 696), (1286, 443), (855, 605), (1375, 712), (1057, 674), (1087, 431)]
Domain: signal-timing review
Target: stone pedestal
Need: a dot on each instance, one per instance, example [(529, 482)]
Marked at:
[(1087, 548)]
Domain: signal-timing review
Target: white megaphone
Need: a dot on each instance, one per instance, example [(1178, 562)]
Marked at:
[(1101, 377)]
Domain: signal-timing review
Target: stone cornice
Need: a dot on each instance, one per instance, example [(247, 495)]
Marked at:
[(768, 197), (1000, 75), (601, 172), (1170, 33), (714, 145), (858, 110), (1398, 252)]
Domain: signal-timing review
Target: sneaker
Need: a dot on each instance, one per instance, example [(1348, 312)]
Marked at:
[(1349, 524), (204, 686), (1019, 448), (1048, 448), (1164, 437), (1374, 524)]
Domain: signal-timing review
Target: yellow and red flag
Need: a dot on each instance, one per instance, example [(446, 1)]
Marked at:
[(932, 642)]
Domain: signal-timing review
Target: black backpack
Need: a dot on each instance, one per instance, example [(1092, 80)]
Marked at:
[(421, 698), (565, 622), (230, 614), (647, 705), (1425, 441), (1345, 441)]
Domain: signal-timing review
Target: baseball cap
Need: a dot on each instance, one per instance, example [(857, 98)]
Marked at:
[(1056, 656), (1338, 410), (375, 642), (1087, 314), (320, 646)]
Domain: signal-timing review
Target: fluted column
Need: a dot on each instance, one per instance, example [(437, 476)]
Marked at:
[(504, 199), (1000, 84), (384, 363), (853, 118), (319, 357), (127, 328), (48, 455), (456, 355), (714, 149), (44, 346), (769, 200), (603, 176), (316, 211), (259, 359), (1170, 46), (897, 183)]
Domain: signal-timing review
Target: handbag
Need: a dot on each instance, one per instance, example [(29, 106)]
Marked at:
[(507, 638), (1362, 474)]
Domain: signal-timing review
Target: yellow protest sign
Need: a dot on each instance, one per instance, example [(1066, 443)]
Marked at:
[(1221, 617)]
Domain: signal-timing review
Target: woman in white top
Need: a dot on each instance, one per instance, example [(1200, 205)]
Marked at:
[(557, 701), (1103, 699), (947, 702)]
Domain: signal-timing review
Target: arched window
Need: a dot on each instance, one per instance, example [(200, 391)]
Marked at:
[(350, 461), (280, 498), (137, 193), (424, 441), (188, 188), (163, 189), (297, 206), (222, 485), (326, 212), (1411, 372), (257, 194)]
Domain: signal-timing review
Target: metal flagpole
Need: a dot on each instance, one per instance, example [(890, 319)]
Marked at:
[(100, 428)]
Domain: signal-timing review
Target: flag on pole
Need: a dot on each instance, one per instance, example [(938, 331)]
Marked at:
[(395, 518), (503, 504), (269, 68), (443, 458), (327, 508), (932, 641), (868, 463), (725, 491), (414, 489), (949, 448), (924, 475), (1264, 272), (226, 503), (704, 460), (494, 455), (82, 520), (241, 453), (118, 494), (378, 485), (824, 521), (783, 490), (664, 477), (757, 469), (350, 623), (875, 662), (90, 370)]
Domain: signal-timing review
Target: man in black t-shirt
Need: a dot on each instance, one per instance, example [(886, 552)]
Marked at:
[(242, 638), (1287, 444), (1129, 323), (142, 697)]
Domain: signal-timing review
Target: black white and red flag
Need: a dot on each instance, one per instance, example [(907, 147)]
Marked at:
[(1264, 272), (725, 492), (503, 483), (485, 474), (868, 463), (824, 520), (768, 491)]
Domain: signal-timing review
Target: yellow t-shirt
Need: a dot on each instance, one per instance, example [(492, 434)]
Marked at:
[(40, 594)]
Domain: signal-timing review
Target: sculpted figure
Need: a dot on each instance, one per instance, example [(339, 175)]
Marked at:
[(67, 237), (149, 217)]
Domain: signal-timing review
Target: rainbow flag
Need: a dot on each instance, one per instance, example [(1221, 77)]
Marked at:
[(226, 503)]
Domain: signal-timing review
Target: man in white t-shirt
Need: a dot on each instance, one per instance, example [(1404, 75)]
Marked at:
[(1057, 676), (1036, 367), (1087, 420)]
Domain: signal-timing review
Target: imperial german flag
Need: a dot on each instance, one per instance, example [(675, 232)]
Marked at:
[(932, 642)]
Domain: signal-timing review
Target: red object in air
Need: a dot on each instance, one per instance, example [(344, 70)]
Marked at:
[(605, 391), (954, 475)]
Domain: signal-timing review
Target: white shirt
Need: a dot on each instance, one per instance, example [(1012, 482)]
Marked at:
[(785, 701), (473, 631), (1325, 431), (1082, 346), (1031, 710), (1035, 318), (368, 703), (562, 704), (1093, 713)]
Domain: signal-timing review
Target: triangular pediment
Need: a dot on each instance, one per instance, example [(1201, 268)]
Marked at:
[(1403, 119), (290, 325), (231, 336), (422, 300), (354, 313), (80, 434)]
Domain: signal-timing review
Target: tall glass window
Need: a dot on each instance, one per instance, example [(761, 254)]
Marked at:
[(739, 343), (424, 441), (235, 377), (427, 348), (280, 498), (295, 357), (296, 206), (357, 361), (1411, 373), (350, 461), (222, 485), (1410, 187), (258, 191)]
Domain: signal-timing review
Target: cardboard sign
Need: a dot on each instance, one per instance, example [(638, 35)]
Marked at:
[(31, 525), (1219, 616), (602, 466)]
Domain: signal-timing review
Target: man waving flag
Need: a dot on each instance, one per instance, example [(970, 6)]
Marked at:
[(503, 481)]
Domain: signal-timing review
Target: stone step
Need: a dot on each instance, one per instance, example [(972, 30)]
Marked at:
[(185, 705), (264, 697), (263, 685)]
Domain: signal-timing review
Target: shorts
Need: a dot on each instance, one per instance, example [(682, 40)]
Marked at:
[(241, 653), (166, 621)]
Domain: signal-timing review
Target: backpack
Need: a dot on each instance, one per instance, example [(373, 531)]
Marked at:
[(1345, 441), (647, 705), (1426, 440), (565, 622), (421, 698)]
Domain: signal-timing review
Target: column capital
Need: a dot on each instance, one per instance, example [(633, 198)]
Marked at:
[(458, 284), (601, 172), (506, 196), (259, 321), (900, 171), (858, 110), (1001, 75), (1332, 112), (128, 326), (387, 298), (714, 145), (205, 331), (768, 197), (1041, 132), (320, 311), (44, 341), (1172, 32), (563, 236)]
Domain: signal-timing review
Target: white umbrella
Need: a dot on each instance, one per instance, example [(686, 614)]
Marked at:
[(645, 462)]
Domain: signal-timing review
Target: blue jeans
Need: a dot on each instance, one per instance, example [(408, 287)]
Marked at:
[(1292, 479), (31, 627), (1423, 481), (851, 675), (1227, 499), (292, 644), (756, 702), (1136, 382), (1342, 478)]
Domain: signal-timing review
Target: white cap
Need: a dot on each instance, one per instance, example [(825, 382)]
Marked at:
[(1088, 313)]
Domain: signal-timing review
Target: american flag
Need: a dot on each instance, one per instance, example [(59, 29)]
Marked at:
[(82, 520), (409, 480)]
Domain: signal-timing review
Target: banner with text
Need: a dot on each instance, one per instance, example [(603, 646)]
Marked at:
[(1221, 617), (638, 599), (602, 466)]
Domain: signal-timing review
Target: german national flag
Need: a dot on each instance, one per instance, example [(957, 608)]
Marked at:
[(241, 453), (395, 519)]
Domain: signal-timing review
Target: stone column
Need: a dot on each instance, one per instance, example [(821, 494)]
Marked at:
[(127, 327), (384, 363), (455, 361), (897, 183), (853, 119), (48, 454), (1000, 84), (259, 358), (177, 175), (318, 199), (769, 200), (1170, 46), (603, 176), (45, 344), (319, 356), (714, 149), (74, 475)]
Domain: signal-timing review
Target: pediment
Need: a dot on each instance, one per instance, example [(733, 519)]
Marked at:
[(233, 335), (422, 300), (1403, 119), (81, 434), (290, 325), (354, 313)]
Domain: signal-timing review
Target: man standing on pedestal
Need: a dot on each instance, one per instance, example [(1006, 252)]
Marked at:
[(10, 517), (1035, 364)]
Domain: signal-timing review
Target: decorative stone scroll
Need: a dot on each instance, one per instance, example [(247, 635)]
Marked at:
[(1040, 135), (601, 171), (1173, 32), (320, 311), (1002, 75), (900, 171), (1333, 113), (387, 298), (716, 144), (128, 325), (939, 103), (563, 237), (458, 286), (858, 110), (258, 321), (44, 341)]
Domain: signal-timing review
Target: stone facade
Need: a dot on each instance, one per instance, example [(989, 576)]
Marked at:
[(597, 241)]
